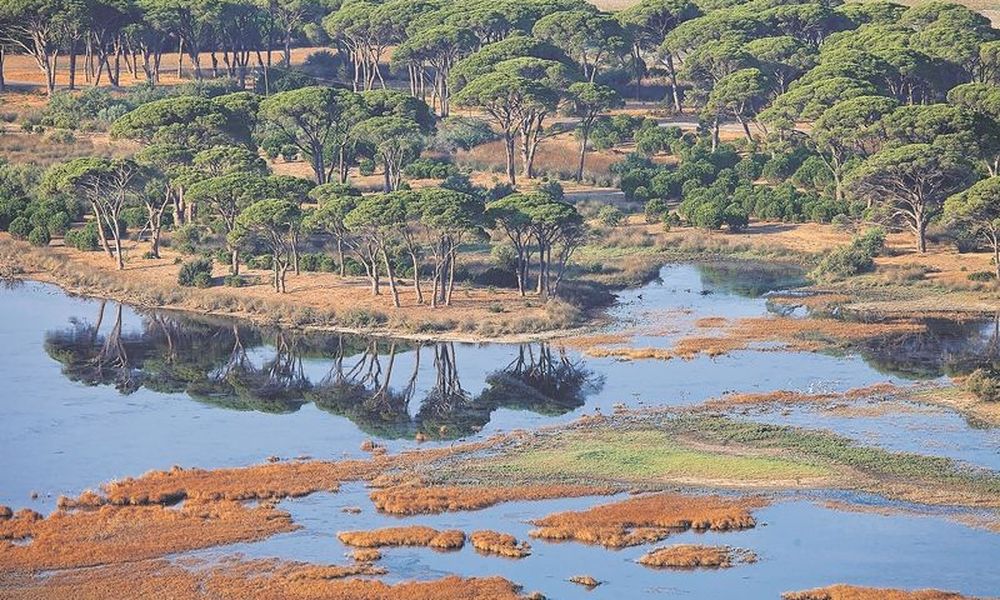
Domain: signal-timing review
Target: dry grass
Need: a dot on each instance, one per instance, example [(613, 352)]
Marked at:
[(314, 300), (585, 580), (878, 390), (116, 535), (257, 482), (412, 535), (557, 158), (850, 592), (502, 544), (409, 500), (647, 519), (39, 149), (240, 579), (690, 556), (365, 555)]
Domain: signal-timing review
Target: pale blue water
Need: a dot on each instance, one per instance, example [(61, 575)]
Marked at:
[(78, 411)]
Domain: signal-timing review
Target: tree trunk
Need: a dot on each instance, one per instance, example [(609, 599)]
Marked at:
[(416, 278), (451, 276), (583, 152), (340, 256), (3, 55), (234, 261), (72, 64), (509, 148), (392, 279), (921, 235)]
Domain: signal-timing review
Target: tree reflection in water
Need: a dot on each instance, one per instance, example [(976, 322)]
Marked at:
[(238, 367)]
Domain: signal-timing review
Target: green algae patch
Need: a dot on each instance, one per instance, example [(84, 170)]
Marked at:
[(645, 455)]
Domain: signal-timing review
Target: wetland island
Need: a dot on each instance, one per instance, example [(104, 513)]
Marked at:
[(506, 299)]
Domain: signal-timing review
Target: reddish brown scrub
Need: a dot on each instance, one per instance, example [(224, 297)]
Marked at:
[(850, 592), (503, 544), (689, 556), (413, 535), (647, 519), (410, 500)]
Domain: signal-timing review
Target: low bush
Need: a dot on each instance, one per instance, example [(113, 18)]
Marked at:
[(982, 276), (984, 383), (85, 239), (39, 236), (429, 168), (853, 259), (194, 272), (611, 216)]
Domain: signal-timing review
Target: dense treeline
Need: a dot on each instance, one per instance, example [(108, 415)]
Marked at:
[(866, 111)]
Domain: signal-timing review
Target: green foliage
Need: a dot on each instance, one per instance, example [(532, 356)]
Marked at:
[(611, 216), (20, 227), (429, 168), (39, 236), (195, 272), (984, 383), (85, 239), (462, 133), (853, 259)]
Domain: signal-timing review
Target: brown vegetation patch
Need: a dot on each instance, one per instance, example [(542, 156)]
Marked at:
[(5, 512), (239, 580), (114, 535), (585, 581), (647, 519), (806, 334), (412, 535), (503, 544), (366, 555), (711, 322), (410, 500), (850, 592), (257, 482), (795, 397), (690, 556), (822, 302)]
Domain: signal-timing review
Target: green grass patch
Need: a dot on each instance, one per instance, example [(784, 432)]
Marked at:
[(641, 455)]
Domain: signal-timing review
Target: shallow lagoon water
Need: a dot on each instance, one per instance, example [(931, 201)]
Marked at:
[(85, 404)]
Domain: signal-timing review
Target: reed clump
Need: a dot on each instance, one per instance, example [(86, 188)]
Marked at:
[(585, 580), (239, 579), (412, 500), (257, 482), (647, 519), (690, 556), (503, 544), (366, 555), (851, 592), (116, 535), (412, 535)]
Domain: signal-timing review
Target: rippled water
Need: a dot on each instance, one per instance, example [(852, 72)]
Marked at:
[(95, 391)]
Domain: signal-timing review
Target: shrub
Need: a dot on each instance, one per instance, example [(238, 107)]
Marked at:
[(984, 383), (366, 166), (462, 133), (57, 223), (655, 209), (134, 218), (85, 239), (981, 276), (234, 281), (194, 273), (20, 228), (187, 238), (853, 259), (611, 216), (428, 168), (39, 236)]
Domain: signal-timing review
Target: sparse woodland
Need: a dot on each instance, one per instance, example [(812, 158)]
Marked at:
[(722, 112)]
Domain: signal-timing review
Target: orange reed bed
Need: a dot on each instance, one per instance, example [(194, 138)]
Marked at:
[(113, 535), (365, 555), (794, 397), (690, 556), (256, 482), (648, 519), (850, 592), (239, 580), (503, 544), (413, 535), (806, 334), (410, 500)]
